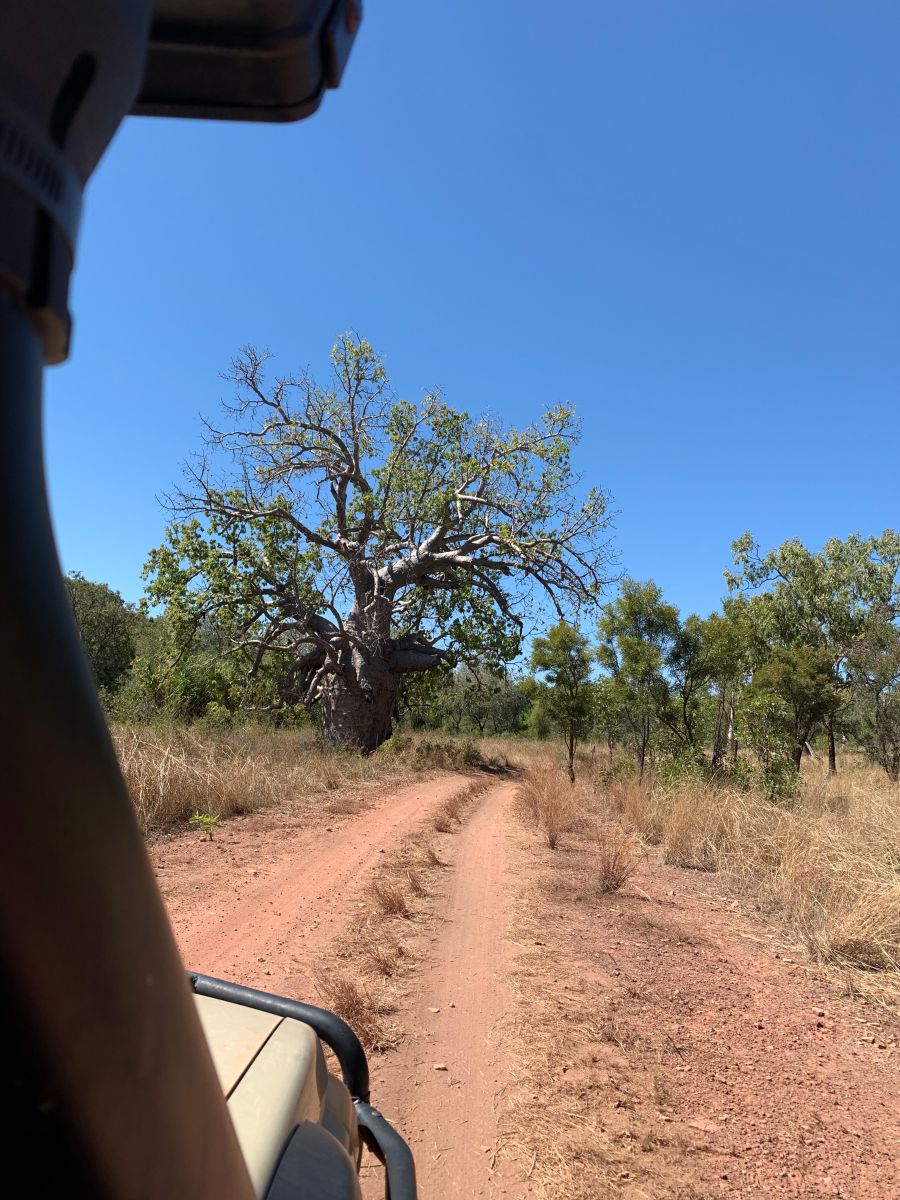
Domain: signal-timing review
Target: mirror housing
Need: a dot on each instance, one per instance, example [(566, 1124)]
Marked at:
[(245, 60)]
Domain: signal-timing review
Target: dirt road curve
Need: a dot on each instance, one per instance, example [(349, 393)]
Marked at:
[(442, 1085), (674, 1046), (268, 897)]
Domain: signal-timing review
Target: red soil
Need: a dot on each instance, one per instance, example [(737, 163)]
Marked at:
[(724, 1077)]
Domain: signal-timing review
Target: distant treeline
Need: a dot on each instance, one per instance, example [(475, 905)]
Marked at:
[(802, 657)]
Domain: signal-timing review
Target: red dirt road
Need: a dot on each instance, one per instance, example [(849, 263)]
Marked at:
[(266, 900), (675, 1045), (693, 1053), (444, 1083)]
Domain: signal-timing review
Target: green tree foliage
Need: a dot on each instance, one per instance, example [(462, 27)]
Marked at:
[(510, 703), (803, 637), (730, 645), (610, 718), (108, 626), (639, 635), (874, 670), (563, 657), (354, 538), (821, 600), (482, 698), (794, 689), (199, 683)]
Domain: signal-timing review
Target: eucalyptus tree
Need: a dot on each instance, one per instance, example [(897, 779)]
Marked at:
[(794, 688), (564, 658), (636, 635), (359, 537), (874, 667), (108, 627), (822, 600), (730, 645)]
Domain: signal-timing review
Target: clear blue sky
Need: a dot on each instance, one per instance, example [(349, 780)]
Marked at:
[(684, 217)]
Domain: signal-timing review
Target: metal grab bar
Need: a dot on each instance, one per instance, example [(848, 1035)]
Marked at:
[(378, 1134)]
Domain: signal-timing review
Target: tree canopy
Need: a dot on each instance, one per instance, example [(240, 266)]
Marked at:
[(355, 536), (108, 628), (823, 602), (564, 659)]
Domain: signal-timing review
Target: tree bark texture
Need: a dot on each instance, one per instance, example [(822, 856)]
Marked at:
[(832, 751)]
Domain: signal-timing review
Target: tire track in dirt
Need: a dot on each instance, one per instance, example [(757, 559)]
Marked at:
[(442, 1087), (270, 896)]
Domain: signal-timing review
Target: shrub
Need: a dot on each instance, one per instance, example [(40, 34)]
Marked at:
[(205, 821), (616, 859)]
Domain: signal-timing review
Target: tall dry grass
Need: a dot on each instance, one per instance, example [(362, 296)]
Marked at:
[(829, 862), (616, 859), (548, 802), (175, 772)]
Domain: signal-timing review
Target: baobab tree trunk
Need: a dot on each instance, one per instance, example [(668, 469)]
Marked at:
[(359, 688), (358, 714)]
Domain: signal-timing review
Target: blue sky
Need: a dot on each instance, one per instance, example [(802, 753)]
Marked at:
[(683, 217)]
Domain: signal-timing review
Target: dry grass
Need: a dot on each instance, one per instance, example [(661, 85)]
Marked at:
[(431, 857), (344, 806), (174, 772), (454, 806), (592, 1073), (616, 860), (635, 806), (549, 802), (384, 956), (440, 752), (829, 863), (562, 1120), (416, 886), (458, 804), (352, 999), (390, 898), (399, 889)]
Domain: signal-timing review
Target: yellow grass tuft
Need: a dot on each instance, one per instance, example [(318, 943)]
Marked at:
[(391, 898), (353, 1000), (416, 886), (547, 800), (384, 956)]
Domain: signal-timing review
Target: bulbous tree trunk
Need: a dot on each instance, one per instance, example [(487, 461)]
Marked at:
[(358, 707)]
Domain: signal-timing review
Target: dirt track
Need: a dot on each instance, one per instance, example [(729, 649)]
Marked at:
[(267, 898), (443, 1084), (688, 1052)]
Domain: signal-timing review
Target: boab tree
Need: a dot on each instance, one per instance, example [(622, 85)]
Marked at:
[(356, 537)]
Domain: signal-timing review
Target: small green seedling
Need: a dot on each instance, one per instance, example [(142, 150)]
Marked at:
[(205, 821)]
